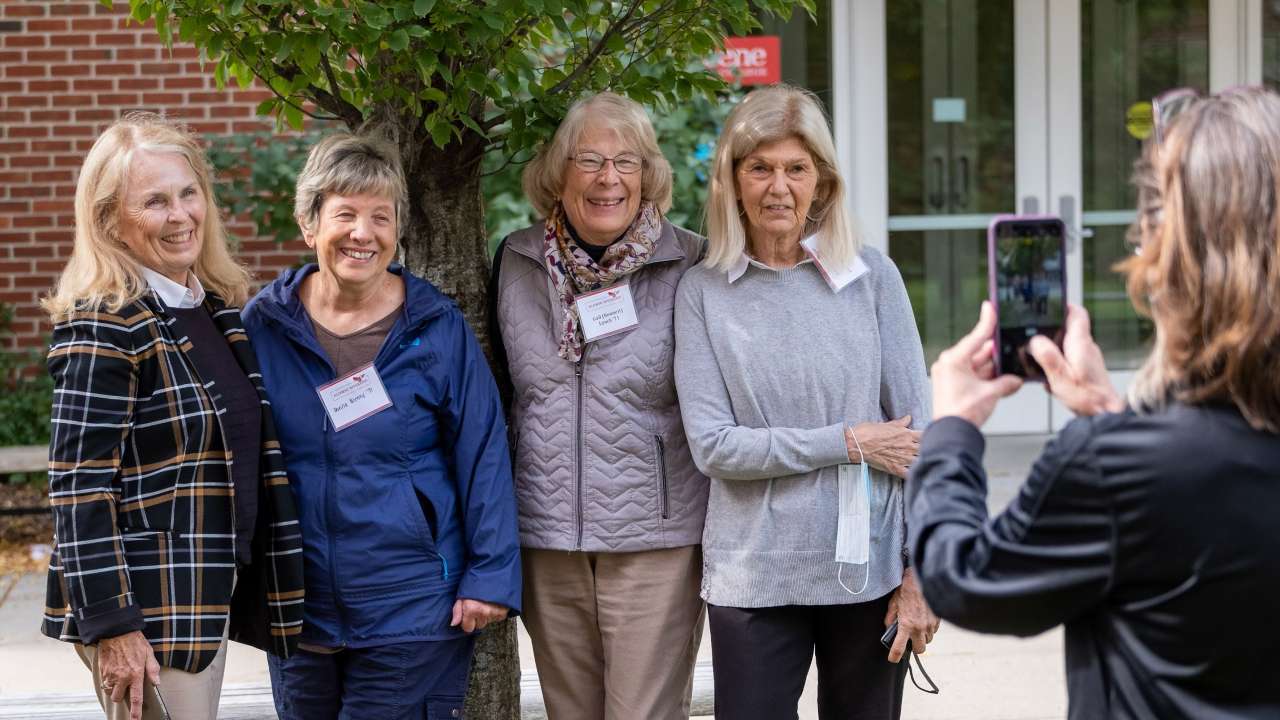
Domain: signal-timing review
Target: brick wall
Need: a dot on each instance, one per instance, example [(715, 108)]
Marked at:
[(68, 68)]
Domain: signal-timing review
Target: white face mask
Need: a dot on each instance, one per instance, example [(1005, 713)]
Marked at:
[(853, 532)]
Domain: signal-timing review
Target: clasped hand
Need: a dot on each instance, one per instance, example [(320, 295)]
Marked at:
[(888, 446)]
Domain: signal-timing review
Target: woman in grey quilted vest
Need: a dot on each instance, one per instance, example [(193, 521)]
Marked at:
[(801, 377), (611, 505)]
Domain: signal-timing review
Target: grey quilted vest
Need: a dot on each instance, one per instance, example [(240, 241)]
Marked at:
[(601, 460)]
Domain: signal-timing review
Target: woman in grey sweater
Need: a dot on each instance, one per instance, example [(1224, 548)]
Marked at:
[(801, 379)]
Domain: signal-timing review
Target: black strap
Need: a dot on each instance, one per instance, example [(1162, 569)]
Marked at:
[(927, 679)]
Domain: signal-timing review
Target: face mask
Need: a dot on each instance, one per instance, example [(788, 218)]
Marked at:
[(853, 531)]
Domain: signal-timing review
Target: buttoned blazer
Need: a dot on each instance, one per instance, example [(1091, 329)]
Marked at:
[(142, 495)]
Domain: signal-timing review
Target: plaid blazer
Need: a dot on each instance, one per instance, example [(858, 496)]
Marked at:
[(142, 495)]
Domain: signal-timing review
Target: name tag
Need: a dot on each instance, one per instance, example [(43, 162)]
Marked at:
[(836, 277), (605, 312), (354, 397)]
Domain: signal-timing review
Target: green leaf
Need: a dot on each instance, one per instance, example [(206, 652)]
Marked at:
[(398, 40), (440, 133), (293, 116), (422, 7), (235, 7)]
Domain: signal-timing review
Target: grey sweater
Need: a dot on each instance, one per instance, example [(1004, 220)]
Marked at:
[(769, 369)]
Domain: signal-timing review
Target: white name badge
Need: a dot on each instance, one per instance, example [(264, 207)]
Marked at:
[(354, 397), (836, 277), (605, 312)]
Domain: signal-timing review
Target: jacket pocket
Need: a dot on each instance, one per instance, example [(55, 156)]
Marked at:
[(663, 496), (429, 517)]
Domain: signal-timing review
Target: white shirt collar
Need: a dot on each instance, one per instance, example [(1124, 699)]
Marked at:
[(837, 278), (171, 293)]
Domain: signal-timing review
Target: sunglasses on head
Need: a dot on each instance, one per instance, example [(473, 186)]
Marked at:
[(1168, 104)]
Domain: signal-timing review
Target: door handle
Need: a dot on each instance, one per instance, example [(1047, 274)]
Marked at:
[(937, 196)]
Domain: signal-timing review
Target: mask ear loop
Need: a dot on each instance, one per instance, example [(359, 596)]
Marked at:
[(865, 489)]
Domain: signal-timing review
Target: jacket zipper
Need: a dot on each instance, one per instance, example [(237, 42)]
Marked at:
[(329, 492), (662, 476), (577, 374)]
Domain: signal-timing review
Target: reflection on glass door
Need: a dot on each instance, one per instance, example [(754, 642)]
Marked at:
[(1130, 52), (950, 85)]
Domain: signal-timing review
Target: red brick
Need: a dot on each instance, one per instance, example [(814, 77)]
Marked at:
[(13, 146), (94, 85), (48, 146), (46, 56), (70, 8), (13, 297), (138, 83), (25, 41), (115, 39), (46, 116), (73, 100), (209, 127), (26, 327), (11, 86), (50, 236), (31, 221), (67, 40), (117, 99), (17, 101), (30, 281), (67, 161), (15, 206), (92, 54), (71, 130), (185, 82), (162, 98), (115, 68), (28, 131), (51, 176), (13, 176), (213, 96), (57, 25), (85, 24), (91, 114), (15, 10), (69, 70), (251, 126), (47, 86), (50, 266), (30, 191), (29, 161), (158, 68), (55, 206), (9, 267), (26, 70), (139, 53), (83, 144), (10, 56)]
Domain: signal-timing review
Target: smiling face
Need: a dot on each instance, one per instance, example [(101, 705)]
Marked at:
[(162, 214), (776, 184), (601, 205), (354, 238)]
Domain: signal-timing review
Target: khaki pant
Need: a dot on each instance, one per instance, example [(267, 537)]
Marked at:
[(615, 635), (189, 696)]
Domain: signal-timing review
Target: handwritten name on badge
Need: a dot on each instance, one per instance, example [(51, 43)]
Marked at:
[(354, 397), (605, 312)]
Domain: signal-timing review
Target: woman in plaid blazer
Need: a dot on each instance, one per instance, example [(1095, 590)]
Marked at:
[(166, 479)]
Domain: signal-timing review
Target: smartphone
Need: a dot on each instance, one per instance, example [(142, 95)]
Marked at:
[(1027, 282)]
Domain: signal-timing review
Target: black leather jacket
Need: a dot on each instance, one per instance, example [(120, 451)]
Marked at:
[(1153, 538)]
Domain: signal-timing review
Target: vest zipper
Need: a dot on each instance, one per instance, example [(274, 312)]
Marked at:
[(662, 477), (577, 375)]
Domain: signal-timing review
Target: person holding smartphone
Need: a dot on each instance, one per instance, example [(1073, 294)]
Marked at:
[(1144, 526)]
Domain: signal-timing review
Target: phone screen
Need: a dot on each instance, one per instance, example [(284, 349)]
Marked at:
[(1029, 292)]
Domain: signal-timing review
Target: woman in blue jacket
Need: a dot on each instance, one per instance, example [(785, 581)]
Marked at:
[(395, 443)]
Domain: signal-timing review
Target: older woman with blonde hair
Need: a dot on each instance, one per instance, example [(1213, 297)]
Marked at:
[(801, 376), (611, 506), (1144, 527), (165, 475)]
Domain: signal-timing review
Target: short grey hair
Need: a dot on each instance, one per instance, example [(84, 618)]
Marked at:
[(347, 164), (767, 115), (543, 177)]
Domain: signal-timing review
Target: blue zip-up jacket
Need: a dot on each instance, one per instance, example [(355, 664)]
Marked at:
[(411, 508)]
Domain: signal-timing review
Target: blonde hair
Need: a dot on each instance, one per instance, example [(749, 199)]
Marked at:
[(1209, 270), (101, 272), (347, 164), (543, 177), (767, 115)]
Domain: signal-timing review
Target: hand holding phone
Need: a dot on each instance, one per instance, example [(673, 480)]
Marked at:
[(1026, 279)]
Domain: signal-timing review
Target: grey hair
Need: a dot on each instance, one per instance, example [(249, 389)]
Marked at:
[(768, 115), (543, 177), (347, 164)]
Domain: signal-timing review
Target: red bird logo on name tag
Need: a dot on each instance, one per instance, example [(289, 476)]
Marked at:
[(358, 378), (612, 294)]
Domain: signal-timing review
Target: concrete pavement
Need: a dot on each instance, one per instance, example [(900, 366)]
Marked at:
[(981, 677)]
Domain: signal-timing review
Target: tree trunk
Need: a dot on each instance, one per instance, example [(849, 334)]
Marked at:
[(444, 241)]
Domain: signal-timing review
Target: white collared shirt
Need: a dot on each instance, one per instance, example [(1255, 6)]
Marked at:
[(171, 293), (837, 278)]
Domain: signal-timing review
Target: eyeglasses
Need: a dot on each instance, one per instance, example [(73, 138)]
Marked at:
[(1168, 104), (591, 162)]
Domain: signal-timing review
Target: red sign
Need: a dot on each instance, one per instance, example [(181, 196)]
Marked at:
[(755, 60)]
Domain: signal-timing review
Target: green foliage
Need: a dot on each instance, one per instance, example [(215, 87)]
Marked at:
[(494, 74), (255, 175), (26, 394), (687, 135)]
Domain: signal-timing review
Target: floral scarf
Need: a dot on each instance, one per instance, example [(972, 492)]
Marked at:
[(573, 272)]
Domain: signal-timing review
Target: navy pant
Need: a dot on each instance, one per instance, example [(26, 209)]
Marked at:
[(405, 681)]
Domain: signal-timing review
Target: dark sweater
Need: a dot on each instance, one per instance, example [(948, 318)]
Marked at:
[(240, 414)]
